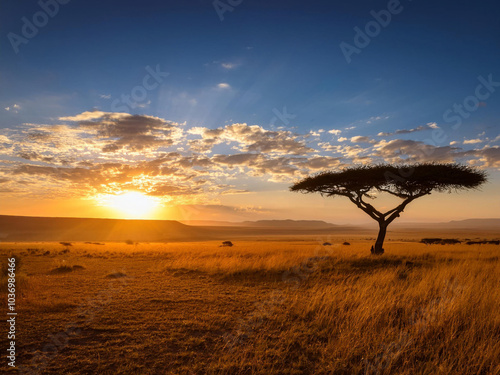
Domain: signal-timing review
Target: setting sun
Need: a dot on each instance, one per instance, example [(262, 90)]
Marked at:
[(132, 204)]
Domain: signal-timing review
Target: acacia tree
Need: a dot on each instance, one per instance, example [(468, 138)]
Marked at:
[(407, 182)]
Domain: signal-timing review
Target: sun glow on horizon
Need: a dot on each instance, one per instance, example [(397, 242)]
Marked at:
[(131, 204)]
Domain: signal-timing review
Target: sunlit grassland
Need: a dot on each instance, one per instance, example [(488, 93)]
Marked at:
[(264, 307)]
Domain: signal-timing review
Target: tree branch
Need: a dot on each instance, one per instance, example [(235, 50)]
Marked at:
[(358, 203)]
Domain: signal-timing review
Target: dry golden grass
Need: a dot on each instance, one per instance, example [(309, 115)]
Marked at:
[(260, 307)]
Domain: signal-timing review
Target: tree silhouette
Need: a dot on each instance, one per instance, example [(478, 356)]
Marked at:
[(407, 182)]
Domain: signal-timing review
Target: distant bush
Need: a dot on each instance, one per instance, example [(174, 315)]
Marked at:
[(484, 242), (61, 269), (227, 243), (327, 244), (346, 243), (129, 242), (440, 241), (66, 244)]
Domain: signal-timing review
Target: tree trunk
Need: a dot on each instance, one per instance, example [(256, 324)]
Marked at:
[(378, 249)]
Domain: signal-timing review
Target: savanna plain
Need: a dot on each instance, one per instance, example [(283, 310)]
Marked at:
[(302, 305)]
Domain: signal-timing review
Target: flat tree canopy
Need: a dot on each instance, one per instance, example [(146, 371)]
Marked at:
[(407, 182)]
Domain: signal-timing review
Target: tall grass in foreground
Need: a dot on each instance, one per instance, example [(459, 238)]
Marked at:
[(437, 318), (415, 310)]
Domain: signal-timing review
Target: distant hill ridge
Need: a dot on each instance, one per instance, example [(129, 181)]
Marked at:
[(28, 228), (301, 224), (493, 223), (287, 223)]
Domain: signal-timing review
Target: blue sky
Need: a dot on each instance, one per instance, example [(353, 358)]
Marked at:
[(246, 68)]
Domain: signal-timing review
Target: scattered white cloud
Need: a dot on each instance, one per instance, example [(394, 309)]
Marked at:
[(335, 131), (123, 131), (13, 108), (229, 65), (4, 139), (105, 96), (224, 86), (251, 138), (361, 139), (376, 118), (98, 152), (472, 141), (91, 115), (429, 126), (144, 105)]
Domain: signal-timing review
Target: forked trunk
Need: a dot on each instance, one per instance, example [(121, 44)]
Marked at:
[(378, 249)]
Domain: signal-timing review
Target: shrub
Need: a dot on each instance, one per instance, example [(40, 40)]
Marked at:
[(440, 241)]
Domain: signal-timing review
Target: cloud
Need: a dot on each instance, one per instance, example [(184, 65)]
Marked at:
[(414, 151), (14, 108), (361, 139), (472, 141), (104, 96), (98, 152), (35, 156), (234, 192), (320, 163), (335, 131), (489, 156), (92, 115), (429, 126), (229, 65), (144, 105), (174, 190), (224, 86), (124, 131), (376, 118), (252, 138)]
